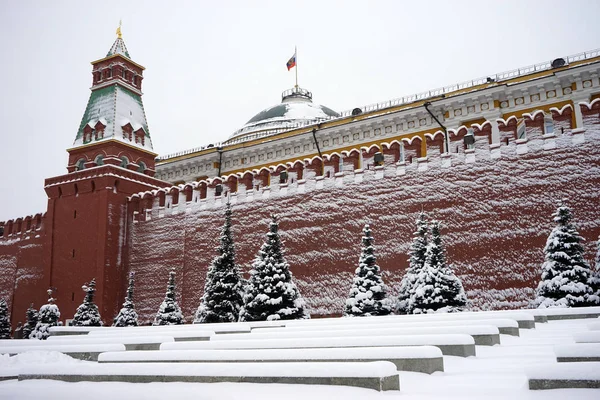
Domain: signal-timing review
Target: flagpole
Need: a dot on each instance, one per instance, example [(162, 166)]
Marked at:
[(296, 54)]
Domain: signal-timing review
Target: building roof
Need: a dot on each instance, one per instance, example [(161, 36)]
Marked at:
[(115, 106), (118, 47), (296, 109)]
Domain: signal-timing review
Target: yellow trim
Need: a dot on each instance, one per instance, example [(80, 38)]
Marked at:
[(350, 119), (378, 143), (118, 55), (103, 142)]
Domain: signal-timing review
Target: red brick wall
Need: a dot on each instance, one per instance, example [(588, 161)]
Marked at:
[(495, 215)]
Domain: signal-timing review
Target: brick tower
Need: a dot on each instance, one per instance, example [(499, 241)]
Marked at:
[(111, 158)]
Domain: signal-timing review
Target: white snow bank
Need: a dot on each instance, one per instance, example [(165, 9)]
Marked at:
[(499, 323), (356, 353), (65, 348), (158, 330), (587, 337), (566, 311), (282, 333), (303, 369), (575, 371), (594, 326), (123, 339), (81, 329), (11, 365), (517, 316), (150, 333), (297, 343), (578, 350)]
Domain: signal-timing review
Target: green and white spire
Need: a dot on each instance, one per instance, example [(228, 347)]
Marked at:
[(115, 109)]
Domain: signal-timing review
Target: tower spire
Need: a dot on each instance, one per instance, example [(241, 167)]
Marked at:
[(119, 34)]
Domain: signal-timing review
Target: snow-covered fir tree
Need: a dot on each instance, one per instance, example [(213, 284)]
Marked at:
[(87, 313), (47, 317), (270, 293), (4, 320), (169, 312), (127, 315), (30, 322), (437, 288), (565, 273), (595, 277), (416, 262), (368, 293), (222, 297)]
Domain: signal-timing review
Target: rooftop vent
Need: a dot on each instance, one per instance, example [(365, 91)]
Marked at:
[(559, 62), (356, 111)]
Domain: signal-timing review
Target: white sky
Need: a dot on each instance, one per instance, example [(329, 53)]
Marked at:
[(212, 65)]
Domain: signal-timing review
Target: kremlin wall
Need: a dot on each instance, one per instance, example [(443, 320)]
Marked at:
[(505, 149)]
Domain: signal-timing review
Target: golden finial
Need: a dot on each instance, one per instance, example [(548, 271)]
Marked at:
[(119, 35)]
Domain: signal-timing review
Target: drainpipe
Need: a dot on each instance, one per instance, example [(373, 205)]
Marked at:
[(314, 132), (446, 138), (220, 150)]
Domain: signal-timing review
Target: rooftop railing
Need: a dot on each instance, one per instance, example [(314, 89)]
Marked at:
[(502, 76)]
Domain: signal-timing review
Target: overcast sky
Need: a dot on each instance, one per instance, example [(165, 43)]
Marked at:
[(212, 65)]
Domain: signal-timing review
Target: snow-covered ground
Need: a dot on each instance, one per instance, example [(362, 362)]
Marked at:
[(497, 372)]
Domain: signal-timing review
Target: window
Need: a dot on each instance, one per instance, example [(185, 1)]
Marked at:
[(124, 162), (402, 156), (521, 130), (548, 125), (80, 165), (142, 167), (99, 160)]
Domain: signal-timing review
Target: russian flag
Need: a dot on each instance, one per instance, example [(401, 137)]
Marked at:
[(292, 62)]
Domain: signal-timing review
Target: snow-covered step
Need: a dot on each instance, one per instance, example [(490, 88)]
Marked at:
[(130, 342), (568, 313), (505, 326), (484, 335), (377, 375), (587, 337), (524, 319), (177, 335), (74, 330), (88, 351), (450, 344), (579, 352), (583, 375), (425, 359), (594, 326)]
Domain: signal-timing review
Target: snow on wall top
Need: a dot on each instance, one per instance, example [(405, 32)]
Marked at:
[(114, 106)]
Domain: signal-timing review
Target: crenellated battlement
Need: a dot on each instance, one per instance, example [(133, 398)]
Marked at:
[(531, 132), (23, 228)]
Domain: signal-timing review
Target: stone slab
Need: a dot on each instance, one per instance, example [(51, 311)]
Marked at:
[(507, 330), (423, 365), (486, 340), (578, 359), (546, 384)]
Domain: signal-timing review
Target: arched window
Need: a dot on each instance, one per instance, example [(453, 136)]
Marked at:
[(124, 162), (80, 165), (99, 160), (142, 167)]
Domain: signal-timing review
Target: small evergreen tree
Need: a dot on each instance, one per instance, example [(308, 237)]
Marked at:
[(87, 313), (4, 320), (270, 293), (31, 321), (368, 293), (169, 312), (222, 297), (437, 288), (48, 317), (594, 281), (565, 273), (416, 262), (127, 315)]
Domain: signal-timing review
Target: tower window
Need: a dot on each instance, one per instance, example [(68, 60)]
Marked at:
[(99, 160), (142, 167), (73, 253), (124, 162), (74, 214), (80, 165)]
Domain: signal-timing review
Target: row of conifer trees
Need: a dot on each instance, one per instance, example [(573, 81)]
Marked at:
[(429, 284)]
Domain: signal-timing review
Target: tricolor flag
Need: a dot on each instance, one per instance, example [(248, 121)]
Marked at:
[(292, 62)]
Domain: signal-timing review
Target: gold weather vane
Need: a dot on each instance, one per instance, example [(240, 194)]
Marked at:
[(119, 35)]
